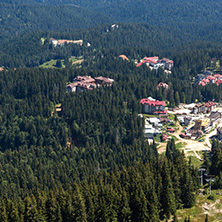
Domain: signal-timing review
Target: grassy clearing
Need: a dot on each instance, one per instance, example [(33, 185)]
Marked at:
[(75, 60), (157, 138), (202, 207), (49, 64), (195, 161), (173, 137), (180, 145)]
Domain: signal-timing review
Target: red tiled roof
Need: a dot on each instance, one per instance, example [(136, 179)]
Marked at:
[(104, 79), (219, 81), (149, 60), (153, 58), (152, 103), (139, 64), (202, 83), (206, 80), (86, 79), (217, 75), (211, 77), (161, 84), (160, 112), (171, 130), (209, 104), (71, 85)]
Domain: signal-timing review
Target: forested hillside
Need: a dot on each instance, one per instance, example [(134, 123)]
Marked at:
[(96, 132), (83, 156), (19, 18), (201, 19), (31, 50)]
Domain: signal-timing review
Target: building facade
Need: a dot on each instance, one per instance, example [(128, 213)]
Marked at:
[(152, 106)]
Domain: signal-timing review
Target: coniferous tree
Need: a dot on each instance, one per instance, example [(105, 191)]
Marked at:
[(167, 200)]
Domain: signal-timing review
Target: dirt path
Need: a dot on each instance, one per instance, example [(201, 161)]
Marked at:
[(190, 145)]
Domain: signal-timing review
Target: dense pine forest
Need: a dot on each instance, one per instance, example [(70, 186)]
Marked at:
[(79, 164), (89, 160), (198, 19)]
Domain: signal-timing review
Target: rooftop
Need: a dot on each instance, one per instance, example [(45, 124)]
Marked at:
[(152, 102)]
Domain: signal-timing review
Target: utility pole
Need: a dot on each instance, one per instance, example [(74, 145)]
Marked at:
[(201, 175), (210, 178)]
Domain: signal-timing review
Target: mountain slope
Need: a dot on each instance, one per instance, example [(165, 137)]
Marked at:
[(197, 17), (16, 19)]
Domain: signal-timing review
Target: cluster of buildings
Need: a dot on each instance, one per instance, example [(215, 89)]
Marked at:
[(82, 83), (207, 78), (202, 125), (156, 63), (203, 107), (154, 125), (62, 42), (153, 106)]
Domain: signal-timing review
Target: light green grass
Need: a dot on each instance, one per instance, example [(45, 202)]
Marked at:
[(180, 145), (49, 64), (197, 213), (173, 137), (149, 115), (195, 162)]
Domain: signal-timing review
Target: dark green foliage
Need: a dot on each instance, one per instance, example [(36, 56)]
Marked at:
[(122, 195), (206, 219), (194, 19), (211, 197), (20, 18), (90, 161)]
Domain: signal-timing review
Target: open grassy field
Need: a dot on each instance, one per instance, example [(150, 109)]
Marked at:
[(202, 207), (49, 64), (195, 161)]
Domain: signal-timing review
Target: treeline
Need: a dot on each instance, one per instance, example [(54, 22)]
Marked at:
[(150, 191)]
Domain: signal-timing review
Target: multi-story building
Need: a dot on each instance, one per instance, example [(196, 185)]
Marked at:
[(152, 106)]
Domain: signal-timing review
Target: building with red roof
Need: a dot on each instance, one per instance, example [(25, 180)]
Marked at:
[(162, 84), (201, 83), (171, 130), (82, 83), (156, 62), (103, 80), (152, 106), (204, 107), (164, 137), (218, 76), (86, 79)]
